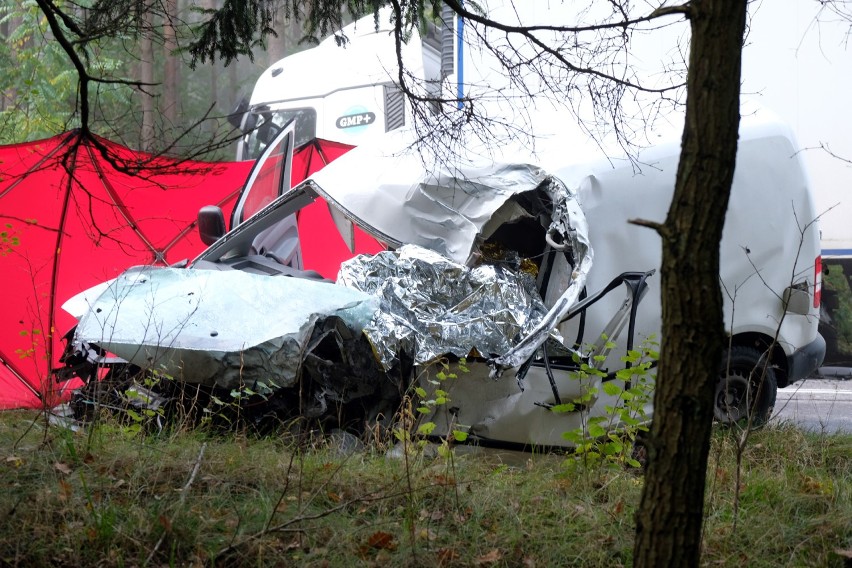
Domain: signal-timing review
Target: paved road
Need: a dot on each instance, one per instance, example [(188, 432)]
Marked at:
[(819, 405)]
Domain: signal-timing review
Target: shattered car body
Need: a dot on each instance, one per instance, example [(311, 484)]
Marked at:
[(486, 260), (187, 337)]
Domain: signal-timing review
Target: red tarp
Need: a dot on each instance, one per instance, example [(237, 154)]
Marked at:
[(69, 220), (322, 247)]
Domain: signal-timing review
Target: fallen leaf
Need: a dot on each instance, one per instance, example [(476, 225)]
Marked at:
[(294, 544), (446, 556), (445, 480), (843, 553), (15, 461), (489, 558), (619, 507), (334, 497), (381, 540), (812, 486), (65, 490), (62, 467)]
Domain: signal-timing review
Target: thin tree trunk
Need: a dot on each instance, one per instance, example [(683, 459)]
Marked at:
[(9, 26), (213, 67), (170, 103), (146, 76), (233, 83), (277, 47), (670, 515)]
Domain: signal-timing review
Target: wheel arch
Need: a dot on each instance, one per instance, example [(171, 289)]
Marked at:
[(765, 344)]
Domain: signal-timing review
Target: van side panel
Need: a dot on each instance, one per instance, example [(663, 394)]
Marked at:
[(770, 240)]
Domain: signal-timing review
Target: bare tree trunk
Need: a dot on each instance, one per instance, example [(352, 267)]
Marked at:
[(289, 33), (9, 95), (170, 103), (670, 515), (146, 76), (9, 26), (233, 83), (277, 47), (214, 68)]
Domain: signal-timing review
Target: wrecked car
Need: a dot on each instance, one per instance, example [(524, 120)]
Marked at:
[(486, 279)]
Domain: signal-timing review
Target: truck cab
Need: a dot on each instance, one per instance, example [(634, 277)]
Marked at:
[(346, 93)]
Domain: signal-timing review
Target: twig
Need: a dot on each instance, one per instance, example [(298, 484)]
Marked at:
[(184, 490), (195, 469), (282, 494), (287, 526), (660, 228)]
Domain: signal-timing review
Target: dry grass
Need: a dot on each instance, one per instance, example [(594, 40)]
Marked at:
[(108, 498)]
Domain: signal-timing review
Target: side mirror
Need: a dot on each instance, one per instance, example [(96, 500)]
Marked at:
[(236, 116), (211, 224), (250, 122)]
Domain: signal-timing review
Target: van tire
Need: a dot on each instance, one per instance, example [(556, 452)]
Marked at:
[(738, 393)]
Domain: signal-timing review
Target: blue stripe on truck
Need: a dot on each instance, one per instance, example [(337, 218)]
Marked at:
[(460, 59), (836, 252)]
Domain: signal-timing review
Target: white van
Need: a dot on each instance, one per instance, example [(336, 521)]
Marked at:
[(771, 268), (770, 273)]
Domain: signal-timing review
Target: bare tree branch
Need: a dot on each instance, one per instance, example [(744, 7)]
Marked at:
[(528, 33)]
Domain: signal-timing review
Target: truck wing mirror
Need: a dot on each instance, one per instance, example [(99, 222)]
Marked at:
[(211, 224), (236, 116)]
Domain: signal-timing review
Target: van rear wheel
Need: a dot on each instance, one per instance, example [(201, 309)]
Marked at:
[(747, 387)]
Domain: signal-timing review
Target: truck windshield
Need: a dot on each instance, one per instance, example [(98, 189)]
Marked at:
[(269, 124)]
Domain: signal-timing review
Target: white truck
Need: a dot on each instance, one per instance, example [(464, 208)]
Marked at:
[(348, 93)]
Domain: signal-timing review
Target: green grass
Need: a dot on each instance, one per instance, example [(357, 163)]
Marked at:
[(106, 498)]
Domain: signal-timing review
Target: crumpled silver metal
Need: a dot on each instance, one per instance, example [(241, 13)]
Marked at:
[(569, 223), (424, 197), (431, 307)]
